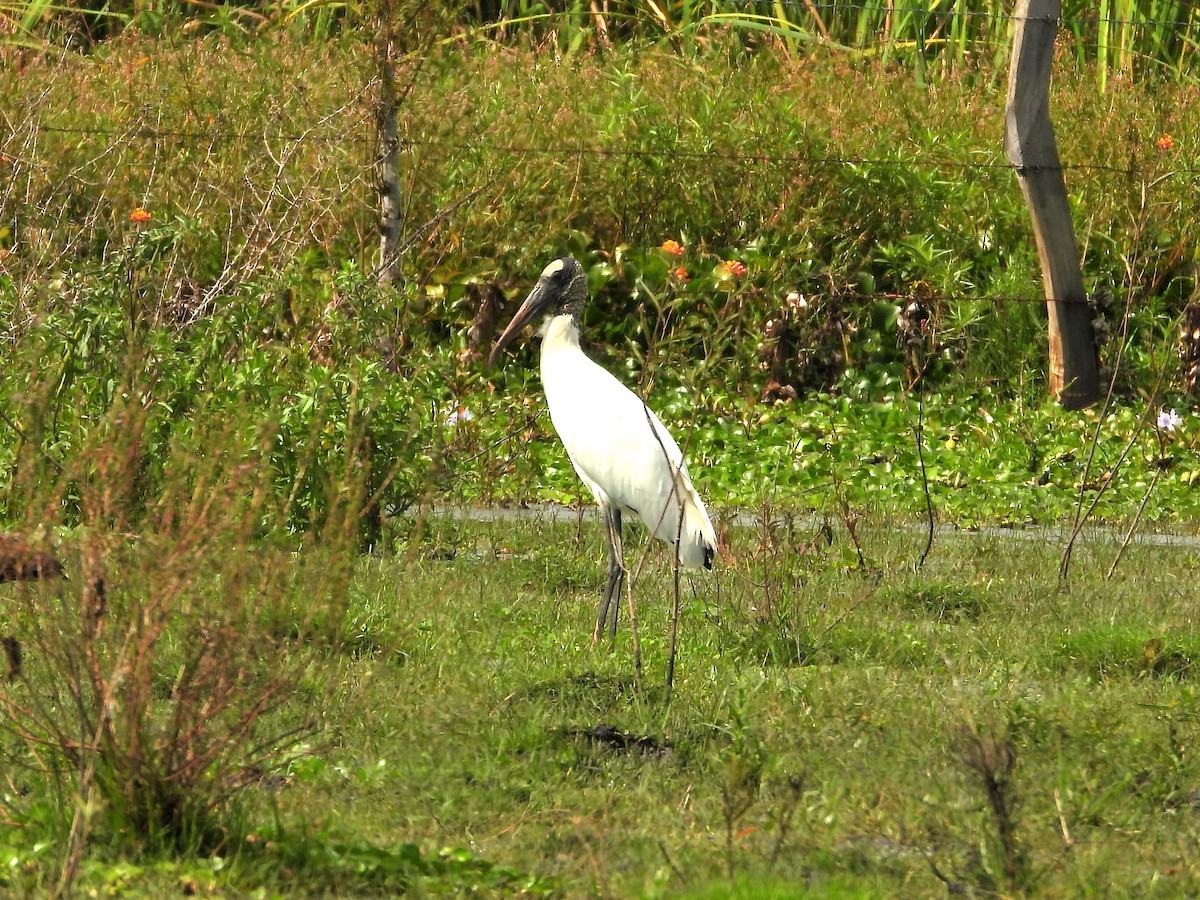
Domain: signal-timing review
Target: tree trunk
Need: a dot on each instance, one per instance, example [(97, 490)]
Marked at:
[(389, 152)]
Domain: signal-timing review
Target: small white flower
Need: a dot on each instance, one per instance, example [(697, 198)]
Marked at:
[(796, 300), (1168, 420)]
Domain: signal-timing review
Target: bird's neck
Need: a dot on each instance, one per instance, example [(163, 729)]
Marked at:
[(560, 333)]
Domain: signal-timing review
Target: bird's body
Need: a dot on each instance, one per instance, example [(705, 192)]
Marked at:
[(620, 449)]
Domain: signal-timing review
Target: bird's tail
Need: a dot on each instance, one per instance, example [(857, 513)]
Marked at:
[(697, 538)]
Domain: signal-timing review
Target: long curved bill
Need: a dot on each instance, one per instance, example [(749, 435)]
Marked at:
[(537, 301)]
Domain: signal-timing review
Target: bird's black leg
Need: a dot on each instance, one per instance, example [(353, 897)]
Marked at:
[(616, 570), (616, 577)]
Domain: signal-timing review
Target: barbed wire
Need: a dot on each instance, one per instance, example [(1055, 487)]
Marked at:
[(920, 293), (362, 136), (758, 157), (770, 157), (205, 135)]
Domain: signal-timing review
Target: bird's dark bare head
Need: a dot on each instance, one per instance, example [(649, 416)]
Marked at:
[(566, 282), (560, 290)]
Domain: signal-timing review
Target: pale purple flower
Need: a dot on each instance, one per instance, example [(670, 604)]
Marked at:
[(1168, 421)]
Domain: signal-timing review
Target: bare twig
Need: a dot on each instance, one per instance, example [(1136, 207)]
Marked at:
[(1128, 538), (676, 495), (952, 886), (919, 434), (674, 607), (671, 863), (1068, 841), (20, 432), (1082, 516), (795, 785)]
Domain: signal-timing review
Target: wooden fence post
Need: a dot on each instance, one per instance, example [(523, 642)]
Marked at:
[(1029, 141)]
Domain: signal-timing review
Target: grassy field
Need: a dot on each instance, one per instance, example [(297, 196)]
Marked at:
[(833, 731)]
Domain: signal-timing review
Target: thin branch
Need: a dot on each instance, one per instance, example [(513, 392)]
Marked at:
[(23, 436), (919, 434)]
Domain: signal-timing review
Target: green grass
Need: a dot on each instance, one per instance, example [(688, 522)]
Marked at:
[(470, 720)]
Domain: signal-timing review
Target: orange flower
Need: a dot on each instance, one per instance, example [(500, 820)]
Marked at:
[(1165, 142), (735, 267), (680, 273), (673, 247), (139, 216)]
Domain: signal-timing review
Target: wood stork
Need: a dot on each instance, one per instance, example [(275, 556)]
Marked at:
[(620, 449)]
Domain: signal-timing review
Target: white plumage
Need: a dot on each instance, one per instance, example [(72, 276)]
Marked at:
[(620, 449)]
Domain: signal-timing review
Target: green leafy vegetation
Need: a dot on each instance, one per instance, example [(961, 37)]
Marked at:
[(277, 666)]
